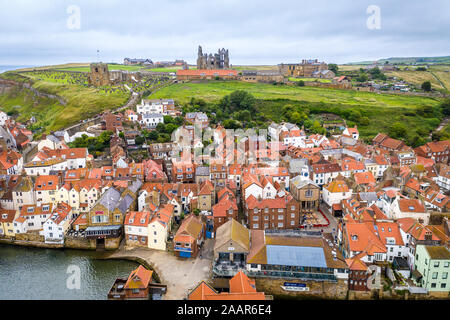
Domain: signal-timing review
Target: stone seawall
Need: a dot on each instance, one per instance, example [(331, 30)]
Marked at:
[(317, 289), (79, 243), (33, 244)]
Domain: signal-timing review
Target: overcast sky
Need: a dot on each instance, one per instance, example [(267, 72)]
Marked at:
[(255, 31)]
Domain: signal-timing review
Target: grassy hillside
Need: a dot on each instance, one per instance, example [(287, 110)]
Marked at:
[(372, 112), (82, 102), (411, 60), (407, 60), (416, 78), (214, 90)]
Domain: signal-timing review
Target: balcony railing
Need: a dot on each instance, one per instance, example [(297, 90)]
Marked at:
[(306, 276)]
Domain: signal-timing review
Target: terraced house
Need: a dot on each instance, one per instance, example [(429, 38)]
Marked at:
[(46, 188), (82, 195), (189, 237), (105, 220), (279, 213), (432, 268)]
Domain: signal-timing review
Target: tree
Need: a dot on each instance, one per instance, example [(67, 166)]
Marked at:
[(140, 140), (362, 77), (333, 67), (168, 119), (297, 118), (426, 86), (161, 127), (122, 135), (398, 130), (152, 135), (301, 83), (445, 106), (170, 128), (238, 100)]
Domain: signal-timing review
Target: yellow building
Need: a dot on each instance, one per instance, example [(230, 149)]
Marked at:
[(7, 223)]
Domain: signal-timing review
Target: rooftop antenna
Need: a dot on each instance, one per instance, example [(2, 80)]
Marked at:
[(98, 55)]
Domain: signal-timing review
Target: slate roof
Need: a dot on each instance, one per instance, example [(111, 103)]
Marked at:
[(125, 203), (110, 199)]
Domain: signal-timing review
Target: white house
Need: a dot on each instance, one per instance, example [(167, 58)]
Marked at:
[(151, 120), (252, 188), (390, 234), (269, 191), (135, 227), (56, 226), (52, 142), (3, 118), (32, 217), (149, 106), (351, 132), (409, 208), (443, 178), (159, 228), (335, 192), (36, 168)]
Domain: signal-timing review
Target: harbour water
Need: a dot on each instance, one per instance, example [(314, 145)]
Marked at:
[(48, 274)]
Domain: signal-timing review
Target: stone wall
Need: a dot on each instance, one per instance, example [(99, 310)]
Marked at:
[(317, 290), (79, 243), (35, 237), (112, 243)]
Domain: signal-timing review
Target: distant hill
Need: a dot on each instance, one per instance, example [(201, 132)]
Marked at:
[(411, 60)]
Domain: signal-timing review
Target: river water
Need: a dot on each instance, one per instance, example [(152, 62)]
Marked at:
[(42, 274)]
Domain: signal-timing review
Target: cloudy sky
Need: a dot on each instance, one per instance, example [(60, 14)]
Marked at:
[(255, 31)]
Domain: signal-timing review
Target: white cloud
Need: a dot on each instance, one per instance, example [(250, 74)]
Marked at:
[(256, 32)]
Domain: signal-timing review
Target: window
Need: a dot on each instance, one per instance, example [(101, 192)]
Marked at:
[(444, 275), (433, 285), (435, 275), (446, 264), (443, 285), (255, 226), (436, 264)]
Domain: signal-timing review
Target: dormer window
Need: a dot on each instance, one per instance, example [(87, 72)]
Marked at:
[(131, 220), (354, 237)]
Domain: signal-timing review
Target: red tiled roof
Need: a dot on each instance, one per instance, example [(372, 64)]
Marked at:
[(411, 205), (214, 72)]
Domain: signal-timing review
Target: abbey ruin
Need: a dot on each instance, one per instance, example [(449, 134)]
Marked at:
[(220, 60)]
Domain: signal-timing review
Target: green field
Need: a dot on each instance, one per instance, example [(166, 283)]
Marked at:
[(260, 68), (111, 67), (310, 79), (382, 110)]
